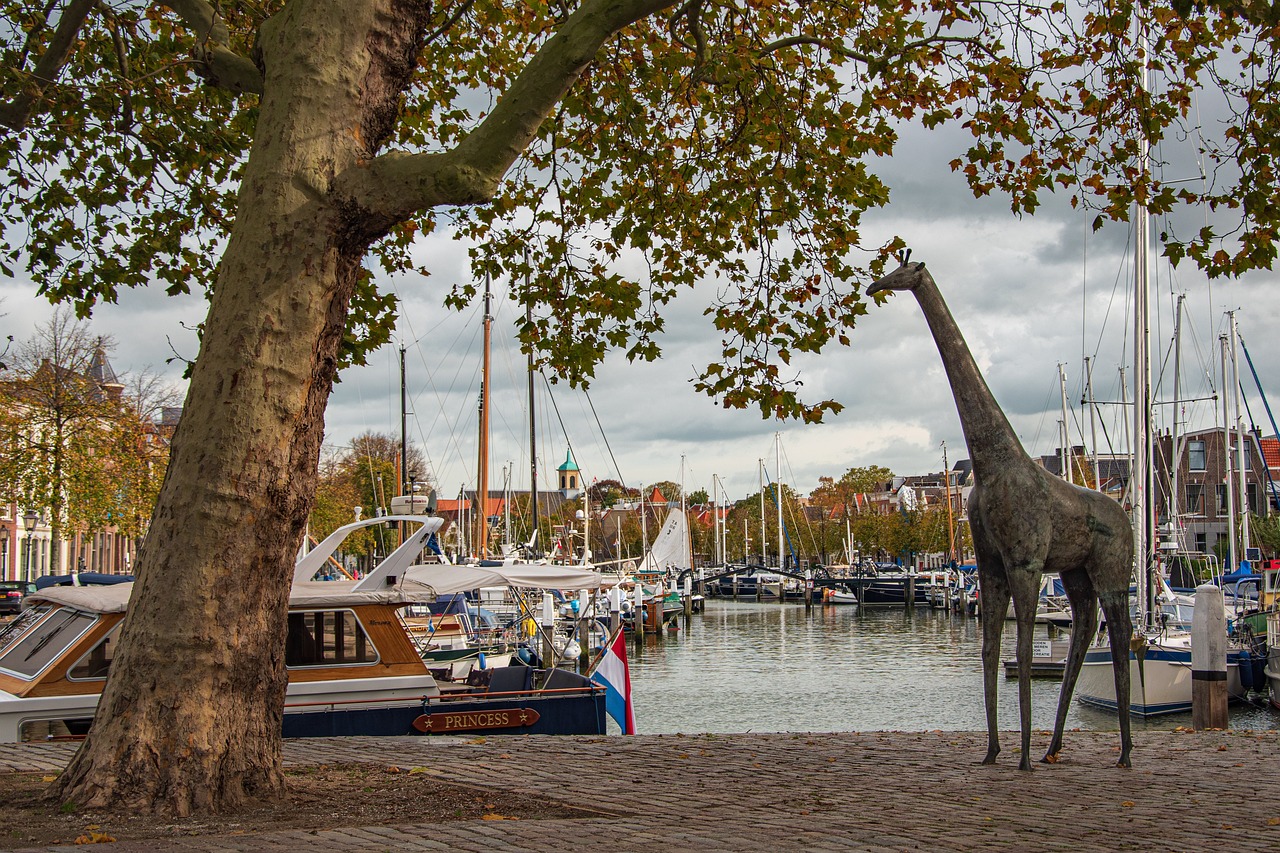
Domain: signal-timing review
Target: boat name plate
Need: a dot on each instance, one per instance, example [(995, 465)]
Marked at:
[(466, 721)]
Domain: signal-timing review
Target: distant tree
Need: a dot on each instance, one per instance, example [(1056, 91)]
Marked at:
[(1266, 532), (362, 474), (73, 446), (698, 497), (605, 493)]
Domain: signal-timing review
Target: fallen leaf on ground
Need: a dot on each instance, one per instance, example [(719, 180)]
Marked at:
[(95, 838)]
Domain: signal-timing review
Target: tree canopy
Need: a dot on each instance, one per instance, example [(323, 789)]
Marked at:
[(715, 142)]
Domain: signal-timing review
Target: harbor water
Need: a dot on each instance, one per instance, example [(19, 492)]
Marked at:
[(760, 667)]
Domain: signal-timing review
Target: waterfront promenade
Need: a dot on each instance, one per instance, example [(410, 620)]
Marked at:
[(815, 792)]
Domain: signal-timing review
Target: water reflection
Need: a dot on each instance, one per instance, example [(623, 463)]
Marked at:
[(747, 667)]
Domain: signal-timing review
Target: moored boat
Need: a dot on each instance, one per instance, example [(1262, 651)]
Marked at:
[(353, 669)]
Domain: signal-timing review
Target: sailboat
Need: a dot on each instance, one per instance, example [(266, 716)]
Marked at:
[(1160, 657)]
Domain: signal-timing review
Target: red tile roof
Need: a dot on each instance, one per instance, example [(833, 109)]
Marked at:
[(1271, 451)]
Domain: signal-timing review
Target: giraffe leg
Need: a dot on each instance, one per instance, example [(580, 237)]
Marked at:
[(994, 604), (1024, 582), (1084, 621), (1120, 630)]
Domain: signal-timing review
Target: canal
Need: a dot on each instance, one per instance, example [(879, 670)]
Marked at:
[(749, 667)]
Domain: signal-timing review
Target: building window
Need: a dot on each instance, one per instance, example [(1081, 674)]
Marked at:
[(1195, 498), (1195, 455), (1222, 499), (1202, 542), (327, 638)]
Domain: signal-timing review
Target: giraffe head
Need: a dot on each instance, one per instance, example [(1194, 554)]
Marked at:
[(906, 277)]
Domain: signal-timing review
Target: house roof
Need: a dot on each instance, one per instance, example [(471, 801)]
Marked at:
[(1270, 451)]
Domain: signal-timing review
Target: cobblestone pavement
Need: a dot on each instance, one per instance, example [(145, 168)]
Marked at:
[(875, 791)]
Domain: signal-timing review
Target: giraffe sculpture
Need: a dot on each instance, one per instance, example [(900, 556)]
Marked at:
[(1025, 522)]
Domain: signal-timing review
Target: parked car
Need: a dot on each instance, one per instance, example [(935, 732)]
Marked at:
[(11, 594)]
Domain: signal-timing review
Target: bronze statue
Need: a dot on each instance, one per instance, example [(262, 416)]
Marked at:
[(1026, 522)]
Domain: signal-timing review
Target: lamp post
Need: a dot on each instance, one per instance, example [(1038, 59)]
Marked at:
[(4, 554), (29, 519)]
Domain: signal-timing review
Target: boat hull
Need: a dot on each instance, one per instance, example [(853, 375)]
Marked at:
[(1160, 683), (889, 590)]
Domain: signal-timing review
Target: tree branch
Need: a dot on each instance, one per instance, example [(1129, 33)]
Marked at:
[(395, 186), (14, 115), (220, 66)]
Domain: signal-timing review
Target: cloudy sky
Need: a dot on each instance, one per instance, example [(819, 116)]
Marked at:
[(1028, 294)]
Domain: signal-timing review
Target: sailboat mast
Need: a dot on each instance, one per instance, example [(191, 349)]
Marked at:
[(1140, 488), (951, 525), (1230, 463), (1066, 430), (777, 444), (715, 505), (482, 463), (404, 430), (1175, 516), (533, 441), (1243, 465), (1093, 424), (404, 446), (764, 540)]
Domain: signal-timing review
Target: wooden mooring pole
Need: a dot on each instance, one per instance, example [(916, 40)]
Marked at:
[(1209, 660)]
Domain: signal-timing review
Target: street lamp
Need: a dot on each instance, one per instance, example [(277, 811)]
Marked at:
[(29, 519), (4, 553)]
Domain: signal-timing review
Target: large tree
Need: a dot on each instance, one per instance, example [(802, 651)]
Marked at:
[(274, 151)]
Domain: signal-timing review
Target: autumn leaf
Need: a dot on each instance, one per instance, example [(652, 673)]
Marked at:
[(1127, 804), (94, 838)]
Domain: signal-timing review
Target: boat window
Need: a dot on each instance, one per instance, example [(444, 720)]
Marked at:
[(40, 646), (43, 731), (12, 632), (327, 638), (94, 665)]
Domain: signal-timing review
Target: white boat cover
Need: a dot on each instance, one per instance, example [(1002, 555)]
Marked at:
[(420, 584), (444, 579), (115, 597)]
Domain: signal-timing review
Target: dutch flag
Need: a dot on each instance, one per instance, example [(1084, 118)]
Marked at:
[(613, 675)]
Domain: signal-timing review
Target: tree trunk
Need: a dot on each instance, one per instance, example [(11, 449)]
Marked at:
[(181, 726)]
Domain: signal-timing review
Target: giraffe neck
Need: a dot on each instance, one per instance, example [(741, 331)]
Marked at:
[(991, 441)]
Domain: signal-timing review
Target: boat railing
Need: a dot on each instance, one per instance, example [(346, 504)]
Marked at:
[(584, 690)]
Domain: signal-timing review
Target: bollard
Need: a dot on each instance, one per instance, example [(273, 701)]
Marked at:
[(637, 612), (584, 632), (548, 630), (1208, 660), (615, 611)]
